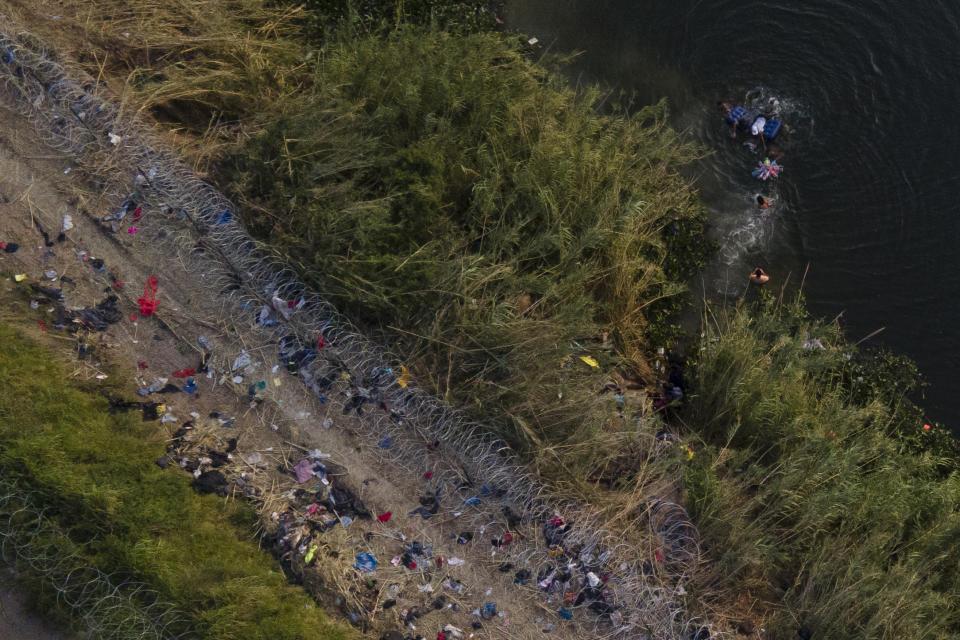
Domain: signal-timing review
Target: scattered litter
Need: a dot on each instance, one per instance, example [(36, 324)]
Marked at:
[(154, 387), (168, 417), (184, 373), (452, 632), (9, 247), (384, 517), (211, 482), (253, 458), (50, 274), (148, 303), (385, 443), (565, 613), (404, 378), (307, 559), (366, 562), (454, 561), (132, 230), (237, 379), (190, 386), (590, 361), (327, 423), (99, 318), (67, 222), (304, 470), (281, 306), (242, 361), (533, 41), (426, 588), (114, 138)]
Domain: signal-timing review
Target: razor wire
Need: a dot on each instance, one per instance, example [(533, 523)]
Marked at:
[(104, 606), (204, 230)]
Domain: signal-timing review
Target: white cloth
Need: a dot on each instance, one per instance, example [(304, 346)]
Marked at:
[(757, 127)]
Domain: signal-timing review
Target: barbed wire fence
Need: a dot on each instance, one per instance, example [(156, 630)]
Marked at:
[(202, 229), (105, 606)]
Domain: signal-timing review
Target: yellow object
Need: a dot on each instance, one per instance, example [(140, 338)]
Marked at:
[(20, 277), (404, 378), (309, 557), (555, 551), (276, 382), (590, 361), (689, 452)]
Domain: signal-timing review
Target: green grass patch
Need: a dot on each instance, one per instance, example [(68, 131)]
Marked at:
[(819, 491), (94, 476)]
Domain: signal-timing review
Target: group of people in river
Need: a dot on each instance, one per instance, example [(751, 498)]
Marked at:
[(757, 122)]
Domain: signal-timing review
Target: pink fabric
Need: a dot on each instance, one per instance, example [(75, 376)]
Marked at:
[(304, 470)]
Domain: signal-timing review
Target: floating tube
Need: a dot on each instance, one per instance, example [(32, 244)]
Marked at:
[(735, 114), (771, 129), (767, 169)]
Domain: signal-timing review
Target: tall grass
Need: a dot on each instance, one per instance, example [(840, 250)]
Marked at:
[(468, 206), (805, 495)]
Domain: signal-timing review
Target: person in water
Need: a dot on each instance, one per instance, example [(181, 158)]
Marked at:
[(763, 202), (759, 276)]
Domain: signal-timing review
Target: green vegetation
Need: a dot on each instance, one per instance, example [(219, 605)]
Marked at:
[(819, 490), (476, 212), (465, 205), (93, 475)]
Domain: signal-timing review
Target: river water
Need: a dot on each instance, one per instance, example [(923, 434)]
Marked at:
[(869, 193)]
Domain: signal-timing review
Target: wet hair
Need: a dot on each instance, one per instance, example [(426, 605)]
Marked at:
[(760, 199)]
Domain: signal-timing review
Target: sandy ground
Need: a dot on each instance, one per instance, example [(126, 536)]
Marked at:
[(39, 186)]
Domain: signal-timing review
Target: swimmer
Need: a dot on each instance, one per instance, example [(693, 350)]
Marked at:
[(725, 107), (763, 202), (759, 276)]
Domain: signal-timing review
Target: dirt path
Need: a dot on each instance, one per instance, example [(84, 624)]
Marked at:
[(274, 422)]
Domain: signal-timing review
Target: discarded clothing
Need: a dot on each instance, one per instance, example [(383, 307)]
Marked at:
[(148, 303), (242, 361), (100, 318), (211, 482), (304, 470), (366, 562)]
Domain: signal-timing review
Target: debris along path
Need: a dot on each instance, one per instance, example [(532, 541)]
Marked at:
[(378, 496)]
